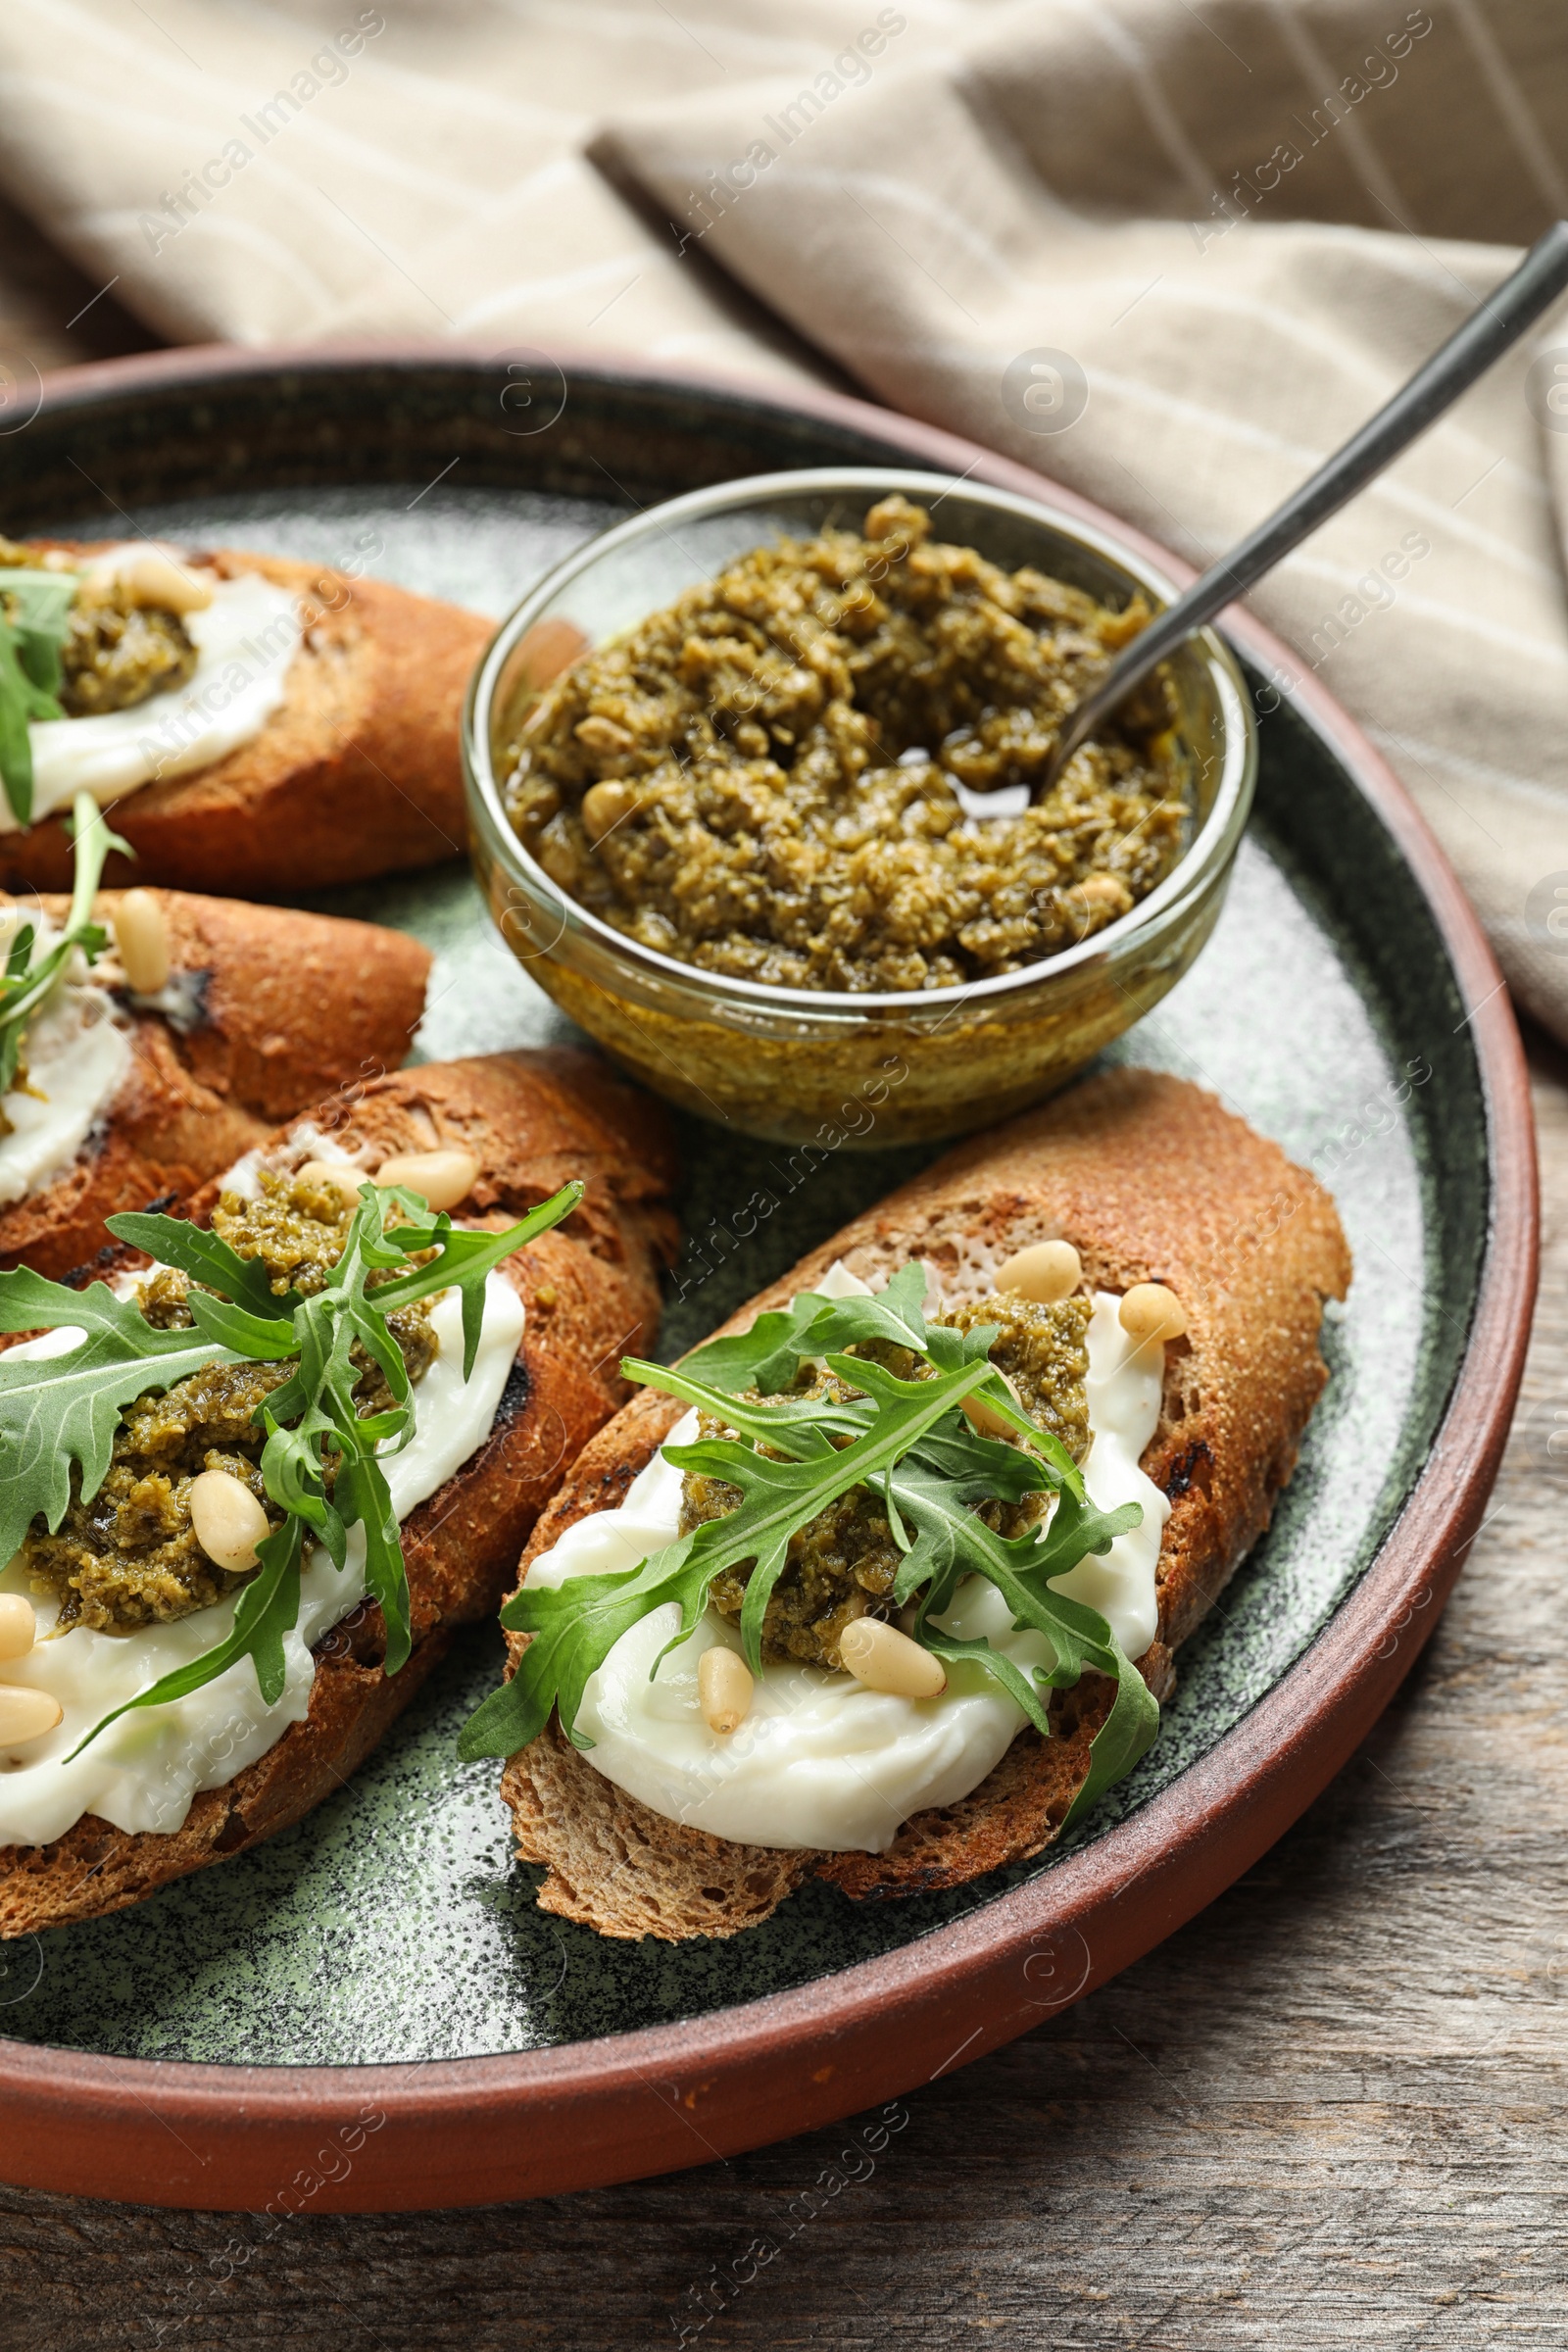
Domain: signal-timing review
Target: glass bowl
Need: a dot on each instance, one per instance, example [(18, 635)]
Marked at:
[(804, 1065)]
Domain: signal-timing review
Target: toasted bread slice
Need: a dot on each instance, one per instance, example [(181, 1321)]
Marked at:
[(356, 775), (1152, 1180), (277, 1010), (591, 1290)]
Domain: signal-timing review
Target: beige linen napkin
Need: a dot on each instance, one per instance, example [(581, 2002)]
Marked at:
[(1171, 253), (271, 172)]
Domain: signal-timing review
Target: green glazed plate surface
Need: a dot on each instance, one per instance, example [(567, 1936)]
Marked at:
[(393, 1925)]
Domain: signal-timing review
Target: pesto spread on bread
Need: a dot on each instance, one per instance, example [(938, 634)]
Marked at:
[(75, 642), (130, 1555), (82, 638), (761, 778), (118, 654), (844, 1563)]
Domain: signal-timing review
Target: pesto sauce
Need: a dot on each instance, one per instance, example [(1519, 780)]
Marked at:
[(841, 1564), (115, 654), (773, 763), (129, 1557)]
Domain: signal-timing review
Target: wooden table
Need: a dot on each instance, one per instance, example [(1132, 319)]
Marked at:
[(1328, 2113)]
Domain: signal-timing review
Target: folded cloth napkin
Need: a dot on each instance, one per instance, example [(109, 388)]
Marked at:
[(1169, 253)]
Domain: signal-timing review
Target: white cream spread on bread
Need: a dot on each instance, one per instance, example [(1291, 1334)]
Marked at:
[(77, 1055), (143, 1771), (245, 641), (821, 1761), (1124, 1387), (304, 1141)]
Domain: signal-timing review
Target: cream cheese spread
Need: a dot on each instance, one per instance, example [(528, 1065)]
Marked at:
[(78, 1057), (144, 1770), (304, 1141), (821, 1760), (245, 641)]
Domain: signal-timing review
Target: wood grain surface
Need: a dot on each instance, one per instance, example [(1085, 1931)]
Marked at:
[(1331, 2112)]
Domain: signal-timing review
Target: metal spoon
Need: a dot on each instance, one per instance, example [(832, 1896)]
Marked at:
[(1500, 320)]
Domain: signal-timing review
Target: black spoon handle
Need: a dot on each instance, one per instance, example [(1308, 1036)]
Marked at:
[(1498, 322)]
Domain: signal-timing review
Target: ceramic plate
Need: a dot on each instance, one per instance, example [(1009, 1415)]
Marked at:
[(371, 2012)]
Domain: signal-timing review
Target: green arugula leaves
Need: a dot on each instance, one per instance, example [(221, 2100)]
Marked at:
[(768, 1355), (578, 1623), (905, 1441), (58, 1413), (24, 985), (34, 622), (322, 1462)]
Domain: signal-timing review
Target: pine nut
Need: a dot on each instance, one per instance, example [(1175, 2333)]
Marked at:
[(878, 1655), (336, 1175), (143, 937), (18, 1626), (152, 579), (605, 738), (229, 1520), (26, 1714), (1045, 1272), (724, 1690), (1104, 890), (986, 1419), (604, 806), (1149, 1311), (443, 1177)]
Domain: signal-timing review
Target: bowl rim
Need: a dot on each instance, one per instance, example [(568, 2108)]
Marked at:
[(467, 2132), (1210, 851)]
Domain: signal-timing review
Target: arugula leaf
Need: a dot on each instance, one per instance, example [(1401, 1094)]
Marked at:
[(365, 1495), (206, 1258), (24, 985), (935, 1487), (320, 1462), (42, 623), (265, 1339), (953, 1541), (462, 1258), (577, 1623), (43, 599), (63, 1411), (15, 744), (768, 1356), (34, 622)]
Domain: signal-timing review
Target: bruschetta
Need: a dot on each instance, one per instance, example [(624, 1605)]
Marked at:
[(197, 1025), (335, 1576), (260, 727), (1077, 1359)]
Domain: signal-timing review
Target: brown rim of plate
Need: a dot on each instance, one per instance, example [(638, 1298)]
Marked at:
[(478, 2131)]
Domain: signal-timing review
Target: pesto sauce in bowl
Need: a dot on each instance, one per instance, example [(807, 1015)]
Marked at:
[(648, 859), (767, 778)]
